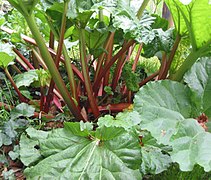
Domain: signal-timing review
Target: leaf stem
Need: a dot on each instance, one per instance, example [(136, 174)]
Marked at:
[(141, 9), (85, 72), (21, 97), (52, 67)]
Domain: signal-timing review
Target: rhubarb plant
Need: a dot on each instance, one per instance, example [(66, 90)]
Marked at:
[(129, 145), (174, 109)]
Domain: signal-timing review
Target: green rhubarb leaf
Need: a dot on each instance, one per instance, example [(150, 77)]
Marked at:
[(95, 39), (79, 129), (107, 133), (191, 145), (125, 120), (26, 78), (80, 11), (22, 109), (153, 160), (194, 18), (160, 41), (166, 110), (198, 79), (5, 139), (29, 146), (163, 105), (15, 153), (6, 55), (67, 156)]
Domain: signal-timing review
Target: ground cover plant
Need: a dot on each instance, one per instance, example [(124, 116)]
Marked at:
[(75, 68)]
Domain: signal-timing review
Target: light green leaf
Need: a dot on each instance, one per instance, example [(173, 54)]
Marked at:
[(198, 79), (79, 129), (15, 153), (29, 146), (67, 156), (5, 139), (193, 18), (125, 120), (191, 145), (107, 133), (6, 55), (26, 78), (153, 160), (22, 109), (167, 109), (44, 77), (2, 20), (163, 105)]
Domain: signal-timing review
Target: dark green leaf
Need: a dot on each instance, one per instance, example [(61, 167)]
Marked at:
[(159, 23), (79, 129), (107, 133)]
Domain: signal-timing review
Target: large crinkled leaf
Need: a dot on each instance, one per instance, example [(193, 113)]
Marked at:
[(153, 160), (193, 17), (139, 30), (26, 79), (67, 156), (198, 79), (166, 110), (79, 129), (163, 105), (22, 109), (125, 120), (165, 94), (191, 145), (29, 146), (160, 41)]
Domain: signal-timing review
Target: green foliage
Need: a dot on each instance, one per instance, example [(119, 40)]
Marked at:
[(150, 65), (160, 130), (131, 79), (153, 160), (26, 78), (174, 173), (199, 81), (126, 120), (170, 111), (159, 41), (62, 152), (187, 19), (6, 55), (22, 109), (29, 146)]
